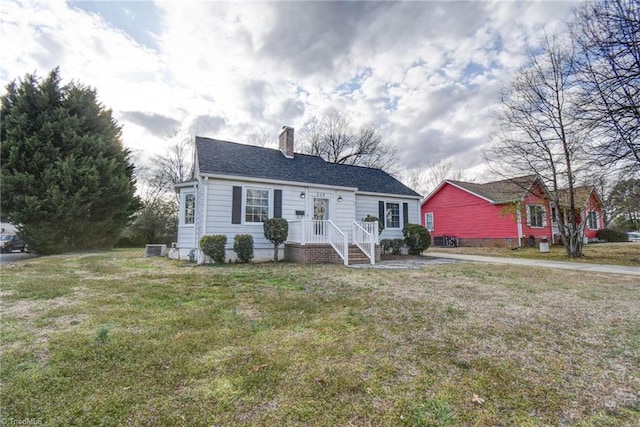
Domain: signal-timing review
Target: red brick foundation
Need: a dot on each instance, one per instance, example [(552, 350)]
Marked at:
[(315, 254), (491, 243)]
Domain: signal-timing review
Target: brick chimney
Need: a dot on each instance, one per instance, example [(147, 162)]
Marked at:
[(286, 141)]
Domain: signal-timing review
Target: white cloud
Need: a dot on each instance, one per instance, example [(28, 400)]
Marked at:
[(425, 73)]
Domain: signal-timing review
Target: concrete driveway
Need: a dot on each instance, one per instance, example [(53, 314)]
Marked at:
[(15, 257)]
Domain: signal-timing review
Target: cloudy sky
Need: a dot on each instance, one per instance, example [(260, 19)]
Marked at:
[(425, 73)]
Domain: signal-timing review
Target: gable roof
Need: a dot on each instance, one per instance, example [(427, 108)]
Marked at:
[(229, 158), (497, 192), (581, 196)]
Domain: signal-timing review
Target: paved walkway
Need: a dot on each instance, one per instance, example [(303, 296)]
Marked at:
[(565, 265), (432, 258)]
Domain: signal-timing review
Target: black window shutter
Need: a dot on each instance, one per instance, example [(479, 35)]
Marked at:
[(405, 213), (381, 213), (236, 206), (277, 203)]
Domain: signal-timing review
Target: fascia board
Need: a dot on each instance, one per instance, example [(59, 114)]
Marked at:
[(400, 196), (276, 181)]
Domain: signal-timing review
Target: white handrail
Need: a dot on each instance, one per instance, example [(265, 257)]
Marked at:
[(338, 240), (365, 239)]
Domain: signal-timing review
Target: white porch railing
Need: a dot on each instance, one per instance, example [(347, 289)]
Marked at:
[(309, 231), (338, 240), (365, 237)]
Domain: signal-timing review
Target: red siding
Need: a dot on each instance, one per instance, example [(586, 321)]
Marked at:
[(593, 205), (536, 198), (459, 213)]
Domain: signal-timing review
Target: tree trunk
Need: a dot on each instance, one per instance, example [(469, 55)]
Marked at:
[(275, 253)]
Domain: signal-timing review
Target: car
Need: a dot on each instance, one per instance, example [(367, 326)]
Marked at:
[(634, 236), (11, 242)]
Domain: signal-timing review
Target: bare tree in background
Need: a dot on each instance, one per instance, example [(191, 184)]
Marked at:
[(539, 133), (261, 137), (425, 179), (607, 36), (440, 171), (157, 220), (173, 166), (334, 138)]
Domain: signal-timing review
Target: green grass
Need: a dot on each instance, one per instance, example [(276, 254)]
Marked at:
[(118, 339)]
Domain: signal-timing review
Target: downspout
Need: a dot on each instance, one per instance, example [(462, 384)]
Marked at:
[(519, 222), (204, 216)]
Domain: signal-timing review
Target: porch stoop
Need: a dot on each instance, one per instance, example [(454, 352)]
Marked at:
[(356, 256), (323, 253)]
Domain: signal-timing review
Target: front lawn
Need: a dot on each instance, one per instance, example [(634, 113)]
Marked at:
[(118, 339)]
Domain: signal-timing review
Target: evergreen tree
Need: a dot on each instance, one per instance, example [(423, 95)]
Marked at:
[(67, 182)]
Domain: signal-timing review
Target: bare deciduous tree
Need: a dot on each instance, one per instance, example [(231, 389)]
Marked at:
[(538, 132), (334, 139), (425, 179), (157, 220), (173, 166), (606, 34)]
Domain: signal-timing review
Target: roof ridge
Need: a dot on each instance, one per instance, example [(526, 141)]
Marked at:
[(228, 157)]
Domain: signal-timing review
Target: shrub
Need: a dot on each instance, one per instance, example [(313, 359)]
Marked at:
[(243, 247), (612, 235), (213, 247), (276, 231), (371, 218), (417, 238), (391, 246)]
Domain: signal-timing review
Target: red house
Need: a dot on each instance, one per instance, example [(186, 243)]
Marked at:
[(589, 209), (507, 213)]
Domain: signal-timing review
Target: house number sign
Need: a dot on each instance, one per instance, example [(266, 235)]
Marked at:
[(320, 195)]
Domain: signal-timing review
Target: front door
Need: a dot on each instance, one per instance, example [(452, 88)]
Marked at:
[(320, 213)]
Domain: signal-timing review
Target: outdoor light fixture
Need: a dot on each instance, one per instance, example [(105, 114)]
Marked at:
[(340, 199), (302, 195)]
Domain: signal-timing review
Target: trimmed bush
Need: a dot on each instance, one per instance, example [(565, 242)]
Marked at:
[(417, 238), (213, 247), (611, 235), (243, 247), (276, 231), (391, 246), (371, 218)]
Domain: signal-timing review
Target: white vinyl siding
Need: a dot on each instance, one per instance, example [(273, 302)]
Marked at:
[(368, 205), (219, 204), (186, 219)]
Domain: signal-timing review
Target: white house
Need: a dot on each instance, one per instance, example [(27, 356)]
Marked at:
[(235, 187)]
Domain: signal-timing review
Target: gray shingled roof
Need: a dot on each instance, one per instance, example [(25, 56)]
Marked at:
[(230, 158), (503, 191)]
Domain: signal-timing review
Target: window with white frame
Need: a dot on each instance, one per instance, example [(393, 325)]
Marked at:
[(393, 215), (189, 209), (536, 216), (428, 221), (256, 206), (592, 220)]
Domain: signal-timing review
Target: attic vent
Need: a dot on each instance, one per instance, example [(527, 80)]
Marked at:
[(155, 250)]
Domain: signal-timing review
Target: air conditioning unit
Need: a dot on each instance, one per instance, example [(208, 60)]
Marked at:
[(155, 250)]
